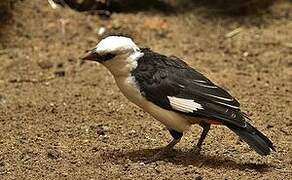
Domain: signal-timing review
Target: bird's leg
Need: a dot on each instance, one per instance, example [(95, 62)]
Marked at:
[(176, 138), (206, 128)]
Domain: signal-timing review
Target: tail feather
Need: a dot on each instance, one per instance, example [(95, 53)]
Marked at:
[(254, 138)]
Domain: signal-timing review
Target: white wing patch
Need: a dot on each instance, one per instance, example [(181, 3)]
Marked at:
[(184, 105)]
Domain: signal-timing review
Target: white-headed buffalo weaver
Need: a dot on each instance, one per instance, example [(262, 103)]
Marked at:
[(173, 92)]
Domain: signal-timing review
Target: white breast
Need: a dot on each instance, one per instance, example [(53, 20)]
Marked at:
[(170, 119), (130, 89), (121, 68)]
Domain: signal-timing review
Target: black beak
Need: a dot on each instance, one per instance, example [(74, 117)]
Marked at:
[(91, 55)]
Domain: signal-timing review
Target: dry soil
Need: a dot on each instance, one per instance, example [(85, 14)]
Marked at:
[(61, 118)]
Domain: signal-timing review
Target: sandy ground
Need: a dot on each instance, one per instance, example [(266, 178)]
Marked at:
[(64, 119)]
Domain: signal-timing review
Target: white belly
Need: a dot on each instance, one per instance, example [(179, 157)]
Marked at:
[(170, 119)]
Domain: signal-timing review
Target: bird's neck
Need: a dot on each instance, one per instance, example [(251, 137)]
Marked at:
[(123, 64)]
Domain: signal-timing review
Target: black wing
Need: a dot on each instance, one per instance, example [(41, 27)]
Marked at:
[(170, 83)]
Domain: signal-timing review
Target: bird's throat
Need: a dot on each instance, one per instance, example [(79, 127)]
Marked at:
[(123, 65)]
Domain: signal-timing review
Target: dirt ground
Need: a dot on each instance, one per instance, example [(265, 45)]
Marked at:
[(64, 119)]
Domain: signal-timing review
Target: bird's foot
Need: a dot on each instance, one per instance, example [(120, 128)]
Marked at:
[(165, 151), (160, 155)]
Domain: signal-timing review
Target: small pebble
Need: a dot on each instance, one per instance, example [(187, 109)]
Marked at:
[(60, 73), (101, 31), (45, 64), (245, 54), (199, 178)]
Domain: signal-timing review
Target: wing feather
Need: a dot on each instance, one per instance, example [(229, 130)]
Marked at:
[(173, 85), (184, 105)]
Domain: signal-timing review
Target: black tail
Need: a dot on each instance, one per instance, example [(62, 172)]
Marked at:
[(254, 138)]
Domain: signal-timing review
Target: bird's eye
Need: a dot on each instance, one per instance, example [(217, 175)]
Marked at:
[(107, 56)]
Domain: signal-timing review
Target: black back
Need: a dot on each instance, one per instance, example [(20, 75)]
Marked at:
[(159, 76)]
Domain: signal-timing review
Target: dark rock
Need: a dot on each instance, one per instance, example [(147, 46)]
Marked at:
[(60, 73)]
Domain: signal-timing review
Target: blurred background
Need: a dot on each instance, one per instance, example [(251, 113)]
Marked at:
[(64, 119)]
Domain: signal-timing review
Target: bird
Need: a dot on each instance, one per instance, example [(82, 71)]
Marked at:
[(174, 93)]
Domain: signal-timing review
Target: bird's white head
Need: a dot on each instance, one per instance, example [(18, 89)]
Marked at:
[(116, 53), (110, 47), (116, 45)]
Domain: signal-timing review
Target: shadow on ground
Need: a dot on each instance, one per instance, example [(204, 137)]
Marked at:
[(234, 7), (235, 10), (5, 15), (186, 158), (117, 5), (227, 7), (5, 11)]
